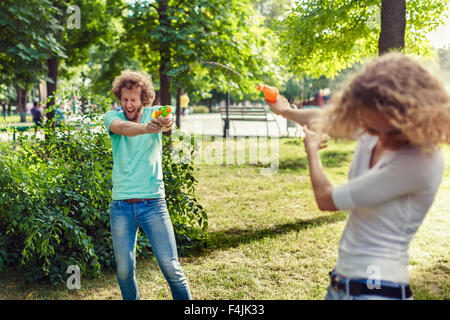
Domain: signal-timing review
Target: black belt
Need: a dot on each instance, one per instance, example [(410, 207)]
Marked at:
[(137, 200), (360, 287)]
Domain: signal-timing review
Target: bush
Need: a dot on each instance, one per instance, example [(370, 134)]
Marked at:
[(189, 218), (55, 195), (200, 109)]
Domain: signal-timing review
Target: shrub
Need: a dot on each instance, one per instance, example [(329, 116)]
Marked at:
[(189, 218), (200, 109), (54, 201)]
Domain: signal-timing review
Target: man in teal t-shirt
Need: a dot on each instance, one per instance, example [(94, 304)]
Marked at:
[(137, 171), (138, 197)]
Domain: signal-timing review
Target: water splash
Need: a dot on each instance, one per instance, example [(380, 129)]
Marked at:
[(173, 73)]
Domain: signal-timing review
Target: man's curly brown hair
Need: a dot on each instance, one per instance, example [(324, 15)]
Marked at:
[(132, 80)]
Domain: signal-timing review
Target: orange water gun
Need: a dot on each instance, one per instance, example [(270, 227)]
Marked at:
[(162, 111), (269, 93)]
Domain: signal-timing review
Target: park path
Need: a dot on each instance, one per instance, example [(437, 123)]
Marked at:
[(211, 124)]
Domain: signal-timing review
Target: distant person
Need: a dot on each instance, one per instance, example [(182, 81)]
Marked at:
[(59, 116), (28, 107), (4, 109), (117, 106), (400, 113), (184, 104), (38, 116)]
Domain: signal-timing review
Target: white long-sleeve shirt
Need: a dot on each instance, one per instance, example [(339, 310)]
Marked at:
[(387, 204)]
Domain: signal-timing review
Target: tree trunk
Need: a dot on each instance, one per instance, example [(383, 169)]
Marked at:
[(83, 93), (83, 105), (21, 103), (52, 64), (23, 111), (164, 52), (393, 25), (157, 101), (210, 102), (164, 83), (180, 92), (226, 126)]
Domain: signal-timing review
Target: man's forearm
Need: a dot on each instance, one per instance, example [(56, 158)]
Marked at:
[(128, 128)]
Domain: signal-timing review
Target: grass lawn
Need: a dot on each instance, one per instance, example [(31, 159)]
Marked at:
[(15, 118), (268, 240)]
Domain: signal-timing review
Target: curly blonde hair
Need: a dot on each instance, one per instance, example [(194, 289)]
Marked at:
[(409, 96), (132, 80)]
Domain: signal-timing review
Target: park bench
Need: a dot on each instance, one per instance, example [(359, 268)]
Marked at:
[(251, 113), (16, 128)]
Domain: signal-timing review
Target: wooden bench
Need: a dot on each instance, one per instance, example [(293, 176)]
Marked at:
[(251, 113), (17, 128)]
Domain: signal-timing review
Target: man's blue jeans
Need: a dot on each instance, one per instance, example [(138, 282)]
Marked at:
[(152, 216)]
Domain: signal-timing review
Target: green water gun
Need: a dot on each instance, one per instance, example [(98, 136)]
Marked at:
[(162, 111)]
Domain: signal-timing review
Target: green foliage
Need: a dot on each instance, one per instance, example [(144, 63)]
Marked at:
[(292, 89), (55, 195), (201, 109), (228, 32), (32, 31), (97, 32), (189, 218), (53, 210), (23, 46), (322, 37)]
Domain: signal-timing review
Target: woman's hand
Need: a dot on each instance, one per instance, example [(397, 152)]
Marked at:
[(280, 106), (313, 141)]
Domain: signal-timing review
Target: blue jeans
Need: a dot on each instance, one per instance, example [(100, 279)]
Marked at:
[(152, 216)]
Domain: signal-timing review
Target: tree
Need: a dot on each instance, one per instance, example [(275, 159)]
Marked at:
[(82, 23), (322, 37), (183, 36), (24, 48), (29, 51), (273, 10), (292, 89)]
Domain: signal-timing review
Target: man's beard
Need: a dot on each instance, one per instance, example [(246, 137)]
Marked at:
[(136, 113)]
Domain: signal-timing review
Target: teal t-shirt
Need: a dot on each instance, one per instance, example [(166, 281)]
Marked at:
[(137, 169)]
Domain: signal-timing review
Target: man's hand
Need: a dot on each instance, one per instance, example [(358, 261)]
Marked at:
[(153, 126), (166, 122)]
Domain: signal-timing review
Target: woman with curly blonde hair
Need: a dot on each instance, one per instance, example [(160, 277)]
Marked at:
[(399, 113)]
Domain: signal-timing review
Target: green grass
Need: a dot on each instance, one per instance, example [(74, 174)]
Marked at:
[(268, 240), (15, 118)]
